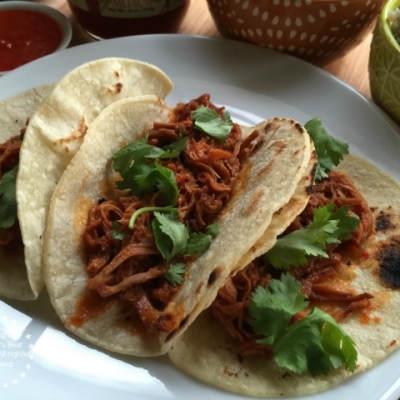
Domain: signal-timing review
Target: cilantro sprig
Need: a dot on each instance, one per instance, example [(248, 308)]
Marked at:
[(327, 227), (209, 122), (8, 201), (199, 242), (141, 177), (174, 274), (315, 343), (173, 240), (171, 235), (329, 150), (116, 232)]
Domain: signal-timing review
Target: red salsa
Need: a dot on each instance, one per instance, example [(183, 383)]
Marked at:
[(26, 35)]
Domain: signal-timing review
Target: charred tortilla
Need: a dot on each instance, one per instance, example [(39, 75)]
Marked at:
[(56, 132), (283, 149), (208, 353)]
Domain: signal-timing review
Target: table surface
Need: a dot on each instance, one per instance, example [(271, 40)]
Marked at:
[(351, 69)]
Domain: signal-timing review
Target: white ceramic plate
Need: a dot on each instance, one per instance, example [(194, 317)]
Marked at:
[(39, 359)]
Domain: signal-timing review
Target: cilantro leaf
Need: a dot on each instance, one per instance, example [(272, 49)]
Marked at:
[(316, 343), (208, 121), (175, 273), (198, 243), (140, 177), (329, 150), (135, 151), (170, 234), (140, 149), (279, 302), (327, 227), (347, 222), (166, 184), (8, 201), (116, 232), (337, 343), (294, 249), (213, 230), (173, 239), (300, 348), (173, 149), (148, 178)]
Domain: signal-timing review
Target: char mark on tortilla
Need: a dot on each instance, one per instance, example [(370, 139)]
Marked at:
[(389, 263)]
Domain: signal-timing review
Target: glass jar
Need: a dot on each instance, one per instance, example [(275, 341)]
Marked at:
[(104, 19)]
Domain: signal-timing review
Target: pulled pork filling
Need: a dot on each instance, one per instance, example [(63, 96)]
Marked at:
[(132, 269), (320, 277), (9, 159)]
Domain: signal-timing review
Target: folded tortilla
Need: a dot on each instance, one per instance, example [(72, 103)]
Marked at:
[(205, 351), (280, 172), (14, 115), (56, 132)]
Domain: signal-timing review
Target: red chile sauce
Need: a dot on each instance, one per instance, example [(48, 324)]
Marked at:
[(102, 26), (26, 35)]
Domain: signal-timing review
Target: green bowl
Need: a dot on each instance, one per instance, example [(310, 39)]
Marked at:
[(384, 64)]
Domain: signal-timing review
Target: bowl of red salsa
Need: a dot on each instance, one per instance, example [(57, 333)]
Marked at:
[(29, 31)]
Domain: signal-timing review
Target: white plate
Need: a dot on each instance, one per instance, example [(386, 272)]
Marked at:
[(41, 360)]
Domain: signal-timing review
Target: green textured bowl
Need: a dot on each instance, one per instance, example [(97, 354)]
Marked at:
[(384, 64)]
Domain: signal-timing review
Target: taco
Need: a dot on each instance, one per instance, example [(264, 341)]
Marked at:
[(14, 116), (339, 306), (141, 225), (56, 131)]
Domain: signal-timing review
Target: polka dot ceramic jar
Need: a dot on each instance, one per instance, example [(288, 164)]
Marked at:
[(318, 31)]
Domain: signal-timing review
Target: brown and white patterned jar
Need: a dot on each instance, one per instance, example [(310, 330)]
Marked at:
[(318, 31)]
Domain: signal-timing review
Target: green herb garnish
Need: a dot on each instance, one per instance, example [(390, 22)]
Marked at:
[(209, 122), (175, 273), (175, 148), (173, 240), (327, 227), (140, 177), (171, 235), (8, 201), (198, 243), (116, 232), (329, 150), (316, 343)]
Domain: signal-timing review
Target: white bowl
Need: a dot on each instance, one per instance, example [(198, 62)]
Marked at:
[(57, 16)]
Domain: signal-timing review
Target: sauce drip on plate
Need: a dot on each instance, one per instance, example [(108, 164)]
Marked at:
[(26, 35)]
